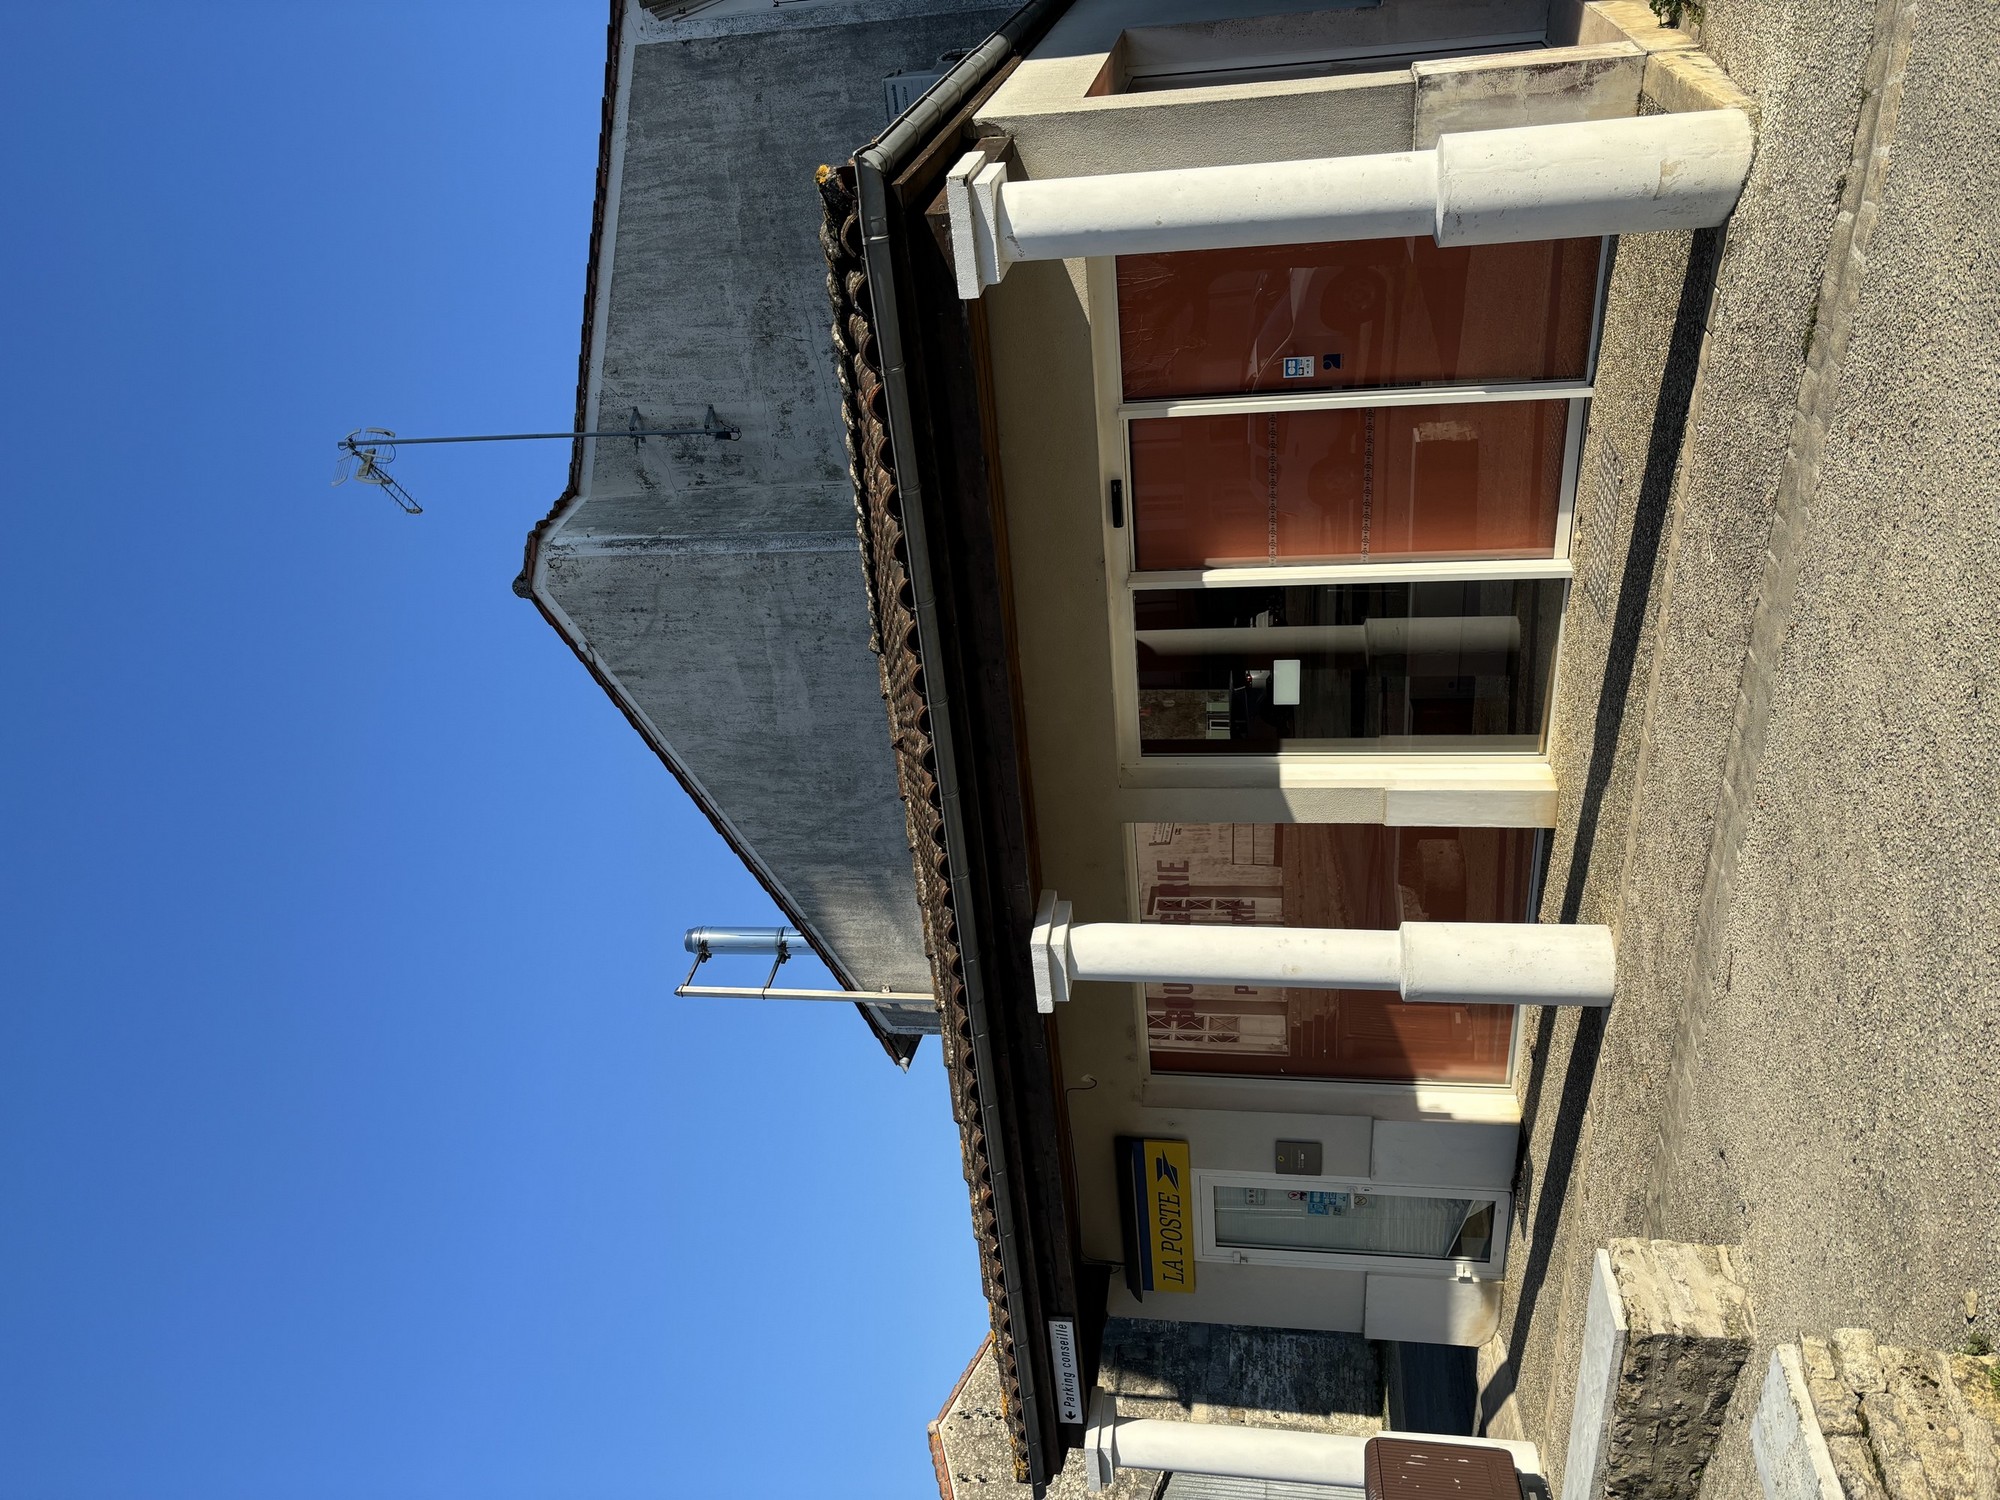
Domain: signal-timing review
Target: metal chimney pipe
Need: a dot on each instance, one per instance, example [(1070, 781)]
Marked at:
[(769, 942)]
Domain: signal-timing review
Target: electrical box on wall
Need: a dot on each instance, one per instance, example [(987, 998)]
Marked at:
[(1299, 1158)]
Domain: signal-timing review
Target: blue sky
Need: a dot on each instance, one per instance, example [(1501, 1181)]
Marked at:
[(351, 1141)]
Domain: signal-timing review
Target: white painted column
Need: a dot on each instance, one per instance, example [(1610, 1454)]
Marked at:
[(1537, 182), (1553, 182), (1112, 1442), (1444, 963), (1377, 197)]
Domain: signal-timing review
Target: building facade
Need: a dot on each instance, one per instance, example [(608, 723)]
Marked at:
[(1214, 379), (1241, 486)]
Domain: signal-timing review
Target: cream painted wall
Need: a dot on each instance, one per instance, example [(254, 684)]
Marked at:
[(1045, 413), (1262, 1296), (1061, 130), (1058, 133)]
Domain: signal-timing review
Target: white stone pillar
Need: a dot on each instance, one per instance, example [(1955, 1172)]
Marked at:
[(1552, 182), (1535, 182), (1112, 1442), (1378, 197), (1442, 963)]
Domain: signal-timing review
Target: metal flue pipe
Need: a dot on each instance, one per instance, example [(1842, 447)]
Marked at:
[(763, 942), (776, 944)]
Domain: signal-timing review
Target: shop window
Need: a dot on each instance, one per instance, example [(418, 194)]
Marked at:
[(1272, 1220), (1364, 455), (1460, 664), (1354, 314), (1389, 484), (1327, 875)]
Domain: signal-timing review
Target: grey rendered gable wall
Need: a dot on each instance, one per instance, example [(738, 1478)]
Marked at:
[(719, 585)]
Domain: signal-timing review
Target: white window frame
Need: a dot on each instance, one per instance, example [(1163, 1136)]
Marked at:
[(1206, 1180), (1123, 579)]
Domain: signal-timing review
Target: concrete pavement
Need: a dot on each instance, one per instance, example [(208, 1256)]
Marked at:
[(1776, 726)]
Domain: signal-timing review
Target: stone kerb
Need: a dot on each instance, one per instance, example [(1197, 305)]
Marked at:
[(1666, 1336), (1852, 1419)]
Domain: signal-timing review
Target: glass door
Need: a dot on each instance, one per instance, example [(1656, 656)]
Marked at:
[(1263, 1219)]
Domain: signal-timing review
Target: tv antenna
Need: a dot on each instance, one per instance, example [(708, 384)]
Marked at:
[(366, 452)]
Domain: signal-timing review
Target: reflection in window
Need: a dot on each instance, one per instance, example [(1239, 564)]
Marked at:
[(1467, 480), (1327, 875), (1354, 314), (1446, 665), (1354, 1220)]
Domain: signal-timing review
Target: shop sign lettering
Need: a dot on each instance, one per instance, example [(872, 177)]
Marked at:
[(1169, 1180)]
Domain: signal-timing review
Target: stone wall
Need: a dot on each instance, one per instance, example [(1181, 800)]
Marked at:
[(1243, 1376), (1666, 1336), (1849, 1418), (717, 587)]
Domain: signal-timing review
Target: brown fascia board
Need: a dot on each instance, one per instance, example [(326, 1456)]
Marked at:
[(899, 1047), (961, 815), (974, 1089)]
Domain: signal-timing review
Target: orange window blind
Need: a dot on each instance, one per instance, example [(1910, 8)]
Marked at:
[(1355, 314), (1460, 480)]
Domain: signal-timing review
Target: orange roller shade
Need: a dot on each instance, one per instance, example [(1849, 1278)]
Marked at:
[(1463, 480), (1328, 875), (1355, 314)]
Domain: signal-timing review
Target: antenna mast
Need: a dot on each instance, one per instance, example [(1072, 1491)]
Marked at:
[(365, 451)]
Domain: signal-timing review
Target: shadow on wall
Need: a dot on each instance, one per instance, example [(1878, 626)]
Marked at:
[(1541, 1213), (1432, 1388)]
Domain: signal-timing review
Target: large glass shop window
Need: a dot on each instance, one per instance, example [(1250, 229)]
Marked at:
[(1389, 484), (1448, 664), (1327, 875), (1354, 314)]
